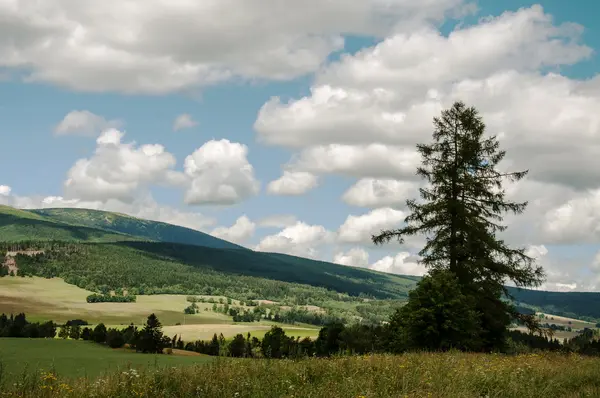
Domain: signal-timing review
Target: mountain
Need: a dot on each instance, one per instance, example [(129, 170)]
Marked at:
[(116, 250), (96, 226), (22, 225)]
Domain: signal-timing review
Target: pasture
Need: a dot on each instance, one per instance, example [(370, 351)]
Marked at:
[(53, 299), (456, 375), (72, 359)]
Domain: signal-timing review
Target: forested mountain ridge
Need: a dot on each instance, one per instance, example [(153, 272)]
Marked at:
[(120, 251), (124, 224)]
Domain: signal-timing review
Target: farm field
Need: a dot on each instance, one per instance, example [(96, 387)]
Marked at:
[(53, 299), (73, 359)]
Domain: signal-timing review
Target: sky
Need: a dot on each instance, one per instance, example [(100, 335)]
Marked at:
[(291, 126)]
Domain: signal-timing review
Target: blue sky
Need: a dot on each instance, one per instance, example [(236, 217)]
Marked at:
[(146, 69)]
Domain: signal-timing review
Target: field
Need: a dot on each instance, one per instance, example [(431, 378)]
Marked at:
[(73, 359), (53, 299), (410, 375)]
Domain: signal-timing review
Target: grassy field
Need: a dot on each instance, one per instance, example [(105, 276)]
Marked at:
[(452, 375), (72, 359), (53, 299)]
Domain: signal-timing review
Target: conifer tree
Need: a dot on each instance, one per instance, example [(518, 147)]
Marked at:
[(460, 213)]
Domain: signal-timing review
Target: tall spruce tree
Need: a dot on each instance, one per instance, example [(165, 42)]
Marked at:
[(460, 214)]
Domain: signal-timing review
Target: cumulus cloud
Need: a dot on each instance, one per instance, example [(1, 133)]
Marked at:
[(403, 263), (299, 239), (373, 160), (293, 183), (359, 229), (84, 123), (5, 190), (239, 232), (184, 121), (355, 257), (220, 174), (119, 170), (575, 221), (371, 192), (139, 48), (278, 221)]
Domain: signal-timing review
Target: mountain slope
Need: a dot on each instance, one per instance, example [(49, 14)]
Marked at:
[(23, 225), (120, 223)]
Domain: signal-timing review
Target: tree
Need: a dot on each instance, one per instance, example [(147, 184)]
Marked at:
[(151, 339), (438, 316), (237, 346), (329, 340), (114, 338), (99, 333), (86, 334), (64, 332), (275, 343), (460, 214), (75, 332)]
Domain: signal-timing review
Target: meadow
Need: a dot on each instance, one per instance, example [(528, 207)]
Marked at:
[(408, 375), (53, 299), (71, 359)]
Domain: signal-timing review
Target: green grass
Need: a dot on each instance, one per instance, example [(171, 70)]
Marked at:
[(450, 375), (72, 359), (52, 299)]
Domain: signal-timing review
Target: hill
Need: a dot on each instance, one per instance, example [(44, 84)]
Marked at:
[(23, 225), (102, 249), (124, 224)]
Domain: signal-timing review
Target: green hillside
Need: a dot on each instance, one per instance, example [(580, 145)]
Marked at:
[(101, 249), (23, 225), (121, 223)]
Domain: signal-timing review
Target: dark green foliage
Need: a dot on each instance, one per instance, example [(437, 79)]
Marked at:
[(3, 269), (75, 332), (237, 346), (460, 214), (86, 334), (108, 298), (151, 338), (437, 317), (330, 339), (99, 334), (18, 326), (275, 344), (74, 322), (115, 338)]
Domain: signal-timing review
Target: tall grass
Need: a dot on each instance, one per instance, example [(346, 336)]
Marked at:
[(454, 375)]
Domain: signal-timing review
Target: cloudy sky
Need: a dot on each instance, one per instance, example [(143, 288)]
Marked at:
[(290, 126)]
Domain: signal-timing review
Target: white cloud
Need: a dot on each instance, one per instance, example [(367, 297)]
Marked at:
[(5, 190), (184, 121), (84, 123), (359, 229), (239, 232), (278, 221), (575, 221), (220, 174), (293, 183), (390, 92), (373, 160), (355, 257), (373, 193), (299, 239), (119, 170), (139, 48), (403, 263)]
